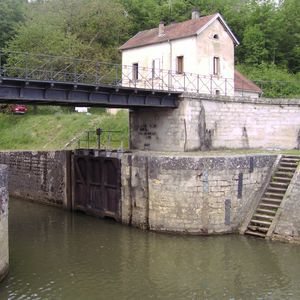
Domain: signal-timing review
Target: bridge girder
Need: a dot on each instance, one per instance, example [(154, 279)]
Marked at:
[(14, 90)]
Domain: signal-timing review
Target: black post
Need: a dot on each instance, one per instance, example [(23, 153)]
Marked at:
[(98, 132)]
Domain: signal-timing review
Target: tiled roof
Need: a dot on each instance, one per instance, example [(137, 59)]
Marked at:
[(241, 83), (172, 32)]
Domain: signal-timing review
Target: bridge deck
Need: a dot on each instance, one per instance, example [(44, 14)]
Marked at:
[(16, 90)]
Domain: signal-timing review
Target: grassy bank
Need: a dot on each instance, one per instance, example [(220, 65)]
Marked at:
[(58, 129)]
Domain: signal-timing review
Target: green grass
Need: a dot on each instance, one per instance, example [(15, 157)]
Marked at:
[(55, 128)]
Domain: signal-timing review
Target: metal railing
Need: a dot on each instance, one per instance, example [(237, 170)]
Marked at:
[(51, 68), (43, 67), (102, 139)]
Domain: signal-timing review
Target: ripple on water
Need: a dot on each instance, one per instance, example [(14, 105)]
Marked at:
[(57, 255)]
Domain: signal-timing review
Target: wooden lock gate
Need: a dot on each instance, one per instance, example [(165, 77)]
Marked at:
[(97, 184)]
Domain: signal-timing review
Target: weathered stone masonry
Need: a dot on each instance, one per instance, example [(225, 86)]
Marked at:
[(196, 195), (40, 176), (202, 123), (4, 255), (288, 223)]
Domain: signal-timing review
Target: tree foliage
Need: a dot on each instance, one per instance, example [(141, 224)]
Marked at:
[(11, 13), (269, 30)]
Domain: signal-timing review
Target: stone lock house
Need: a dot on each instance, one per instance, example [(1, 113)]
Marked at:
[(196, 55)]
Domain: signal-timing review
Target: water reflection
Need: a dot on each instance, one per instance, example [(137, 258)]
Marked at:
[(57, 255)]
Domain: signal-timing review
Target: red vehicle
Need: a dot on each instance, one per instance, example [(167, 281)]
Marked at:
[(18, 109)]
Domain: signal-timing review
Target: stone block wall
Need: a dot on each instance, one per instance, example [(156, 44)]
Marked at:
[(201, 123), (39, 176), (195, 195), (4, 254), (253, 123), (288, 224)]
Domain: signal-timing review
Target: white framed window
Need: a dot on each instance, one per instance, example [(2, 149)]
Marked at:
[(216, 65), (180, 64), (135, 71), (156, 68)]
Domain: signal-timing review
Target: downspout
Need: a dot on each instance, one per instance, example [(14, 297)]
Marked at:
[(171, 53)]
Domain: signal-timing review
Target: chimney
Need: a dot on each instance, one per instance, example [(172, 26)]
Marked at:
[(161, 29), (195, 14)]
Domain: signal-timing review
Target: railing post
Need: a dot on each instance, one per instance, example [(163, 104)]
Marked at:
[(75, 71), (170, 81), (26, 65), (184, 82), (198, 83), (211, 79), (116, 69), (152, 80), (1, 64), (225, 86), (97, 72)]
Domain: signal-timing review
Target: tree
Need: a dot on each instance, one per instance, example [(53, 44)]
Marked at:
[(11, 14)]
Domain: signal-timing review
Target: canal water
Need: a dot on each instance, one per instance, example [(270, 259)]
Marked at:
[(58, 255)]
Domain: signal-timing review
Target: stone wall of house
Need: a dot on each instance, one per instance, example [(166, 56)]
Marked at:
[(191, 194), (4, 254), (201, 122), (288, 223), (39, 176)]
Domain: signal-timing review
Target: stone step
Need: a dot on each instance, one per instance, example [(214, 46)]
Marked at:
[(284, 174), (258, 228), (270, 205), (272, 195), (261, 216), (250, 232), (270, 199), (291, 156), (279, 184), (276, 189), (256, 221), (281, 179), (290, 159), (288, 164), (286, 169), (266, 211)]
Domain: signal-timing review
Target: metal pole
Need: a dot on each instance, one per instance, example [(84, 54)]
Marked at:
[(26, 65), (98, 141), (116, 69), (75, 71), (97, 72), (0, 64)]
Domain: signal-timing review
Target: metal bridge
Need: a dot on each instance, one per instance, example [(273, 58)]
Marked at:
[(55, 80)]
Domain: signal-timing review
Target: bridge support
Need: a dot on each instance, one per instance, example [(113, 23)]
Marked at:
[(181, 129)]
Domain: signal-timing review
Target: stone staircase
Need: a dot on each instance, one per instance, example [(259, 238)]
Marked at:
[(270, 202)]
